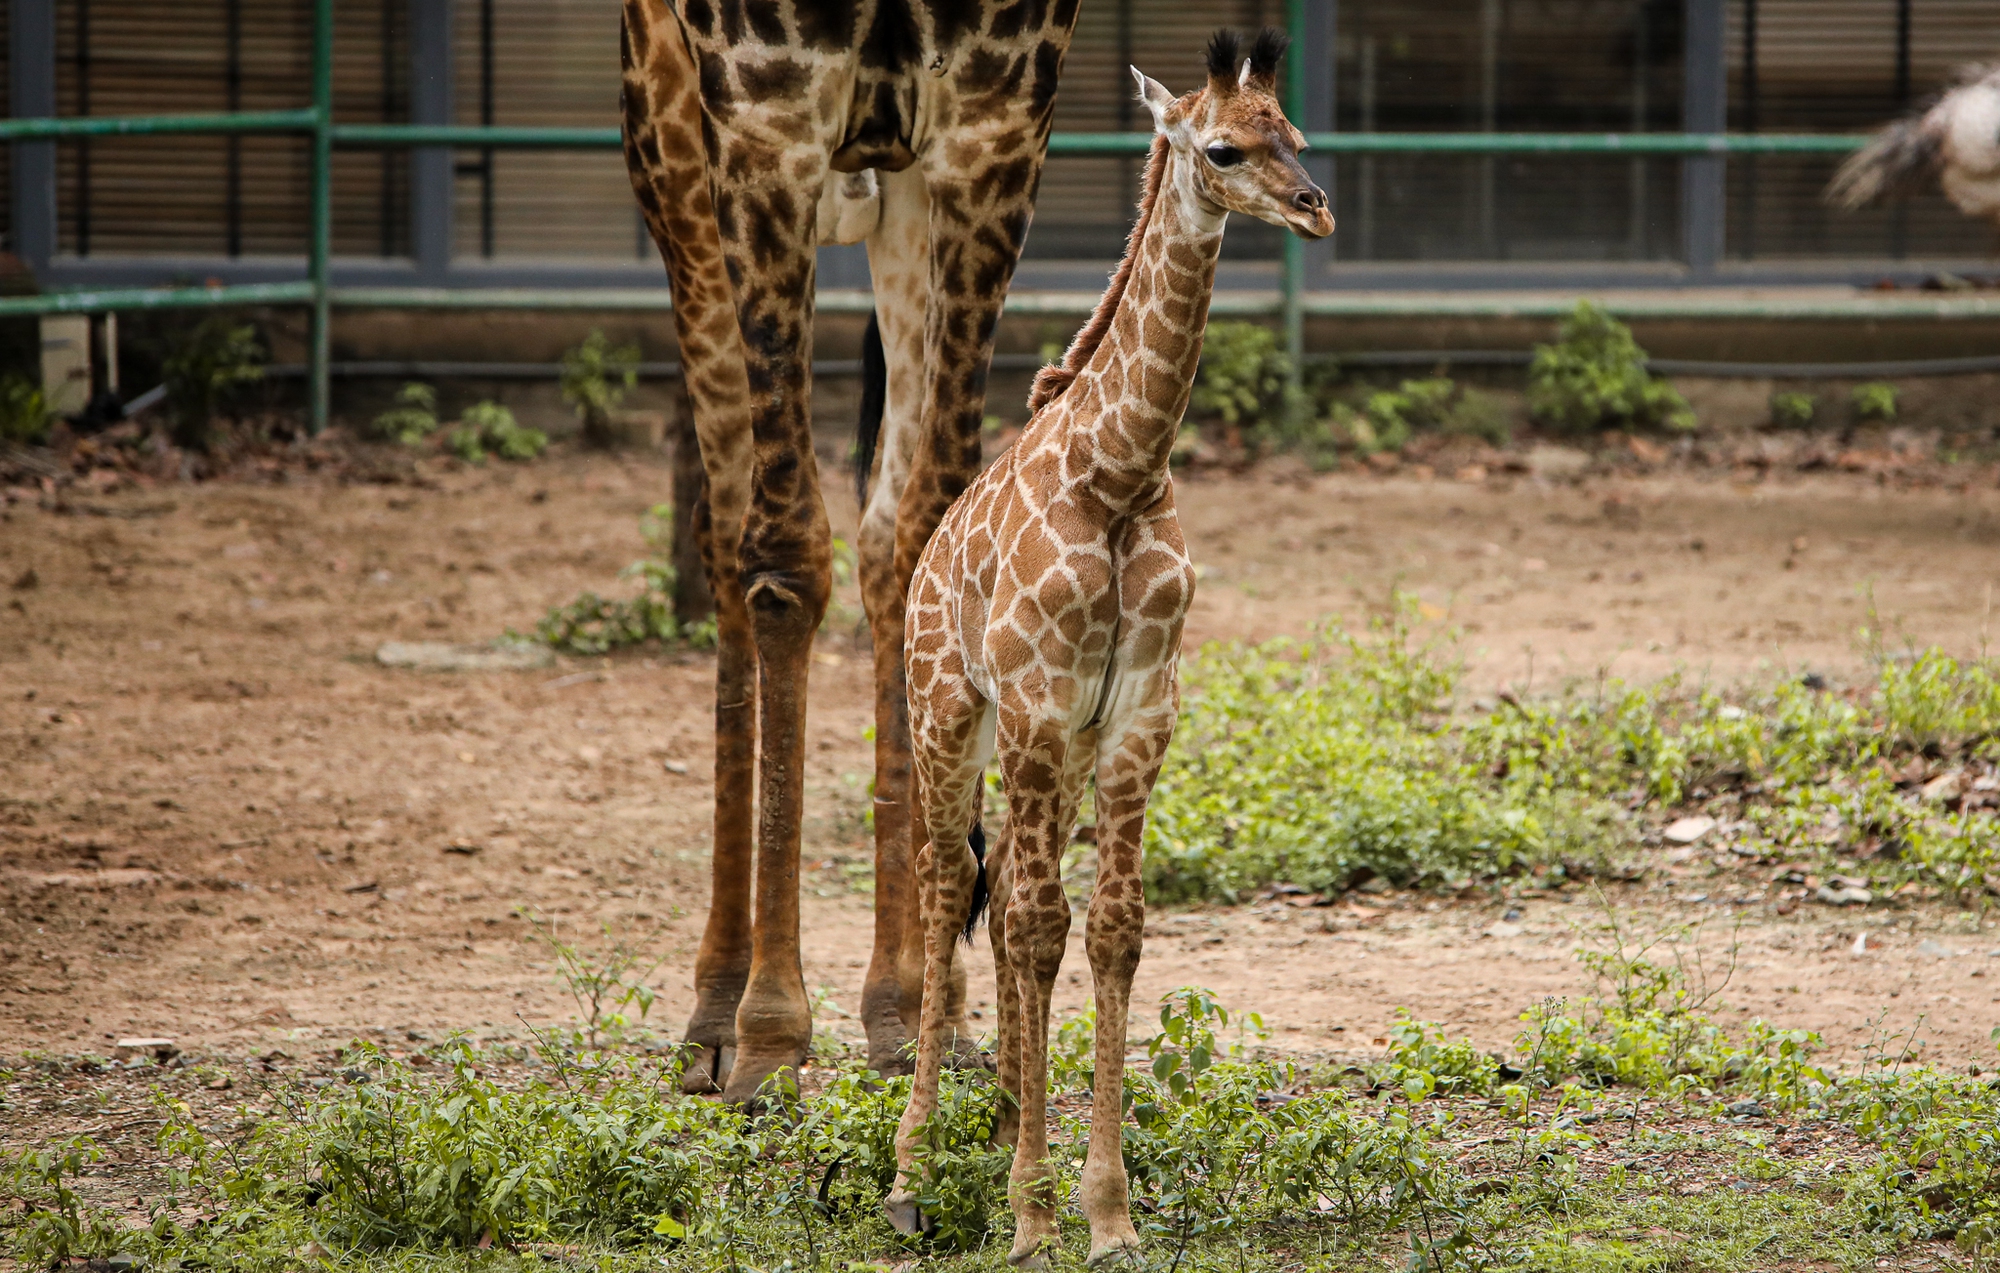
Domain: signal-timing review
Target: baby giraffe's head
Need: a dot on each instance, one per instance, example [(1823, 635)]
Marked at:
[(1241, 150)]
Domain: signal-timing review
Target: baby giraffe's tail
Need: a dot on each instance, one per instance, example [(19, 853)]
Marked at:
[(977, 843)]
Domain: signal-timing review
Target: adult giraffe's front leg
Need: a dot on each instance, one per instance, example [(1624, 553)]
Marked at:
[(669, 171), (769, 165)]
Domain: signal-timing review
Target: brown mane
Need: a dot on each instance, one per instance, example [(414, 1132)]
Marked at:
[(1052, 380)]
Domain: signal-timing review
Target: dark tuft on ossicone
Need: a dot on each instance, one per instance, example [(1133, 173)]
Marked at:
[(1223, 48), (1264, 53)]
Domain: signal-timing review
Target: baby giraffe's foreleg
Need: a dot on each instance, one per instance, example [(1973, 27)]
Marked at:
[(950, 764), (1114, 932)]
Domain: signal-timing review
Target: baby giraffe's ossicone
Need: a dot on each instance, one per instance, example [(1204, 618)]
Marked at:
[(1044, 630)]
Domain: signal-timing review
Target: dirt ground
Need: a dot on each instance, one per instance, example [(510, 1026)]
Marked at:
[(222, 821)]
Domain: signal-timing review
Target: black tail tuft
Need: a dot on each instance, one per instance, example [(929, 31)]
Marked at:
[(977, 843), (874, 400)]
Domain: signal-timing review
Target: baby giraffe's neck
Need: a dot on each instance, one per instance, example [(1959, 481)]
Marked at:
[(1127, 402)]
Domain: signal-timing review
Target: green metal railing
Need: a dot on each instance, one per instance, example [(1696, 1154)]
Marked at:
[(316, 123)]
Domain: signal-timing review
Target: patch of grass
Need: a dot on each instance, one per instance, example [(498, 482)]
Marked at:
[(592, 624), (595, 379), (204, 370), (1329, 762), (1594, 377)]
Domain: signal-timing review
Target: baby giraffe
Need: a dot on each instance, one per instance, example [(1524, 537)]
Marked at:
[(1044, 626)]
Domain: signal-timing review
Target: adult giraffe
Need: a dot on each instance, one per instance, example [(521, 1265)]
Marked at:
[(736, 112)]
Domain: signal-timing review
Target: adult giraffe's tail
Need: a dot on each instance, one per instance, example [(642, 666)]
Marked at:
[(980, 895), (874, 400)]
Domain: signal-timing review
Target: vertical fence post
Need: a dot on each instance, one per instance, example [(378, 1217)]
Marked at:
[(31, 84), (1704, 109), (319, 248), (1295, 248), (432, 83)]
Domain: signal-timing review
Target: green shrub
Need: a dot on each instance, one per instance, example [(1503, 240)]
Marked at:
[(490, 427), (412, 419), (596, 625), (204, 371), (1390, 417), (1244, 380), (1595, 377), (24, 413), (1792, 410), (595, 379), (1875, 400)]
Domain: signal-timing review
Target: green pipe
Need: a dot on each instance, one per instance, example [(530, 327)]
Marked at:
[(319, 250), (155, 125), (471, 135), (105, 300), (1077, 144), (1060, 144)]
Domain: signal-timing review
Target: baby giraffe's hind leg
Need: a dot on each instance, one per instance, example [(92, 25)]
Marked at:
[(950, 768), (1113, 935)]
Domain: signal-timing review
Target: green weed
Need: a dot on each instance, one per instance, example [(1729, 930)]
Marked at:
[(25, 415), (1595, 377), (595, 379), (412, 419), (488, 427), (204, 370), (1876, 400), (1792, 410), (592, 624)]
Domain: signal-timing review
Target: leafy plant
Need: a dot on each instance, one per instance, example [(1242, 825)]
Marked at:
[(959, 1174), (413, 418), (204, 370), (1876, 400), (595, 379), (604, 985), (1792, 410), (25, 414), (55, 1223), (1242, 379), (490, 427), (597, 625), (1595, 377)]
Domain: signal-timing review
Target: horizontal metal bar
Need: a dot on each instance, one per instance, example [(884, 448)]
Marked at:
[(129, 298), (1886, 368), (298, 121), (854, 301), (1063, 144), (1627, 144), (473, 135)]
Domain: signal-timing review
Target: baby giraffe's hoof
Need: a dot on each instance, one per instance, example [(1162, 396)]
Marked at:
[(1113, 1252), (905, 1215), (1032, 1252)]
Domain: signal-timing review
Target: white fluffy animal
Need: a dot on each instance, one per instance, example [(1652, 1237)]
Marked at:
[(1955, 142)]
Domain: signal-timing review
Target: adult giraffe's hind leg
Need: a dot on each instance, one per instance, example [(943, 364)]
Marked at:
[(669, 172)]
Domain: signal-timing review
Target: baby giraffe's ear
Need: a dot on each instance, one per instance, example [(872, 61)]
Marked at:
[(1156, 97)]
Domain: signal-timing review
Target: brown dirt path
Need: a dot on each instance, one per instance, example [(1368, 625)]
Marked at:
[(221, 821)]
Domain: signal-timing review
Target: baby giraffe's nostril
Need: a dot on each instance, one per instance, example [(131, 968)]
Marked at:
[(1310, 199)]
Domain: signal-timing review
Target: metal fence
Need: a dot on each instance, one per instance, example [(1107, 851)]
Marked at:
[(1290, 303)]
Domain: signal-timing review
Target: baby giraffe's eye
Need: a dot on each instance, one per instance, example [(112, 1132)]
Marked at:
[(1224, 155)]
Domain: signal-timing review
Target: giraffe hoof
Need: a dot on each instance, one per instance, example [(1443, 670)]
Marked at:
[(905, 1216), (746, 1079), (707, 1069), (1033, 1260), (1123, 1249)]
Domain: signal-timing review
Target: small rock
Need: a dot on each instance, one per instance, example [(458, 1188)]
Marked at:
[(675, 767), (1746, 1109), (1688, 830), (220, 1083), (1505, 929), (1863, 943), (1843, 896), (462, 846), (1935, 949), (1513, 913), (159, 1047), (439, 656)]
